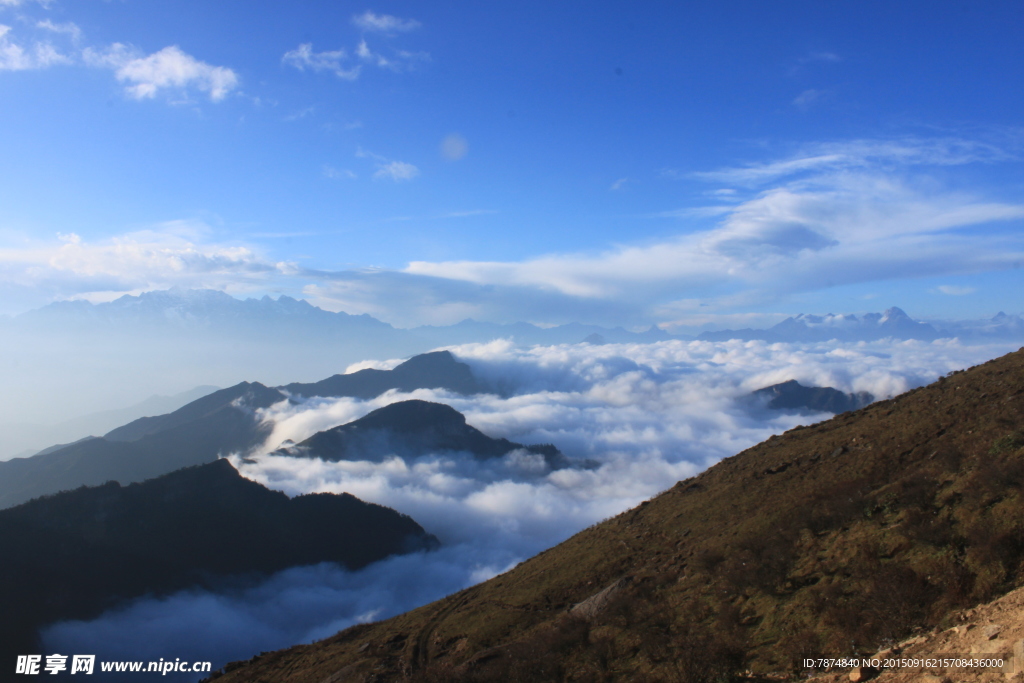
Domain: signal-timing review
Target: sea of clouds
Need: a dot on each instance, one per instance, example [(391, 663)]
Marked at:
[(636, 417)]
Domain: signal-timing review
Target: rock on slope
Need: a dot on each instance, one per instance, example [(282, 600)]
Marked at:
[(830, 539), (994, 630)]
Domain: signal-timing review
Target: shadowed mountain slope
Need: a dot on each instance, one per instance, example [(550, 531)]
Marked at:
[(197, 433), (831, 539), (409, 429), (435, 370), (81, 552), (251, 395), (217, 424), (792, 395)]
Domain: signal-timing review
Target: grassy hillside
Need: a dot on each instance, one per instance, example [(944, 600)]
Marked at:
[(830, 539)]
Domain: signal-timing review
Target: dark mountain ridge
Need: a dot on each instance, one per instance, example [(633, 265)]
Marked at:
[(214, 425), (82, 552), (408, 429), (434, 370), (791, 395), (834, 539)]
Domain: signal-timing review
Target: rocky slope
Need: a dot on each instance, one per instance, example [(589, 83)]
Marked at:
[(839, 538)]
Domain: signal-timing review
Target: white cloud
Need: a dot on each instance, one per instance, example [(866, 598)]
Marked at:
[(169, 68), (384, 23), (174, 253), (785, 239), (303, 58), (619, 184), (850, 215), (172, 68), (18, 57), (397, 171)]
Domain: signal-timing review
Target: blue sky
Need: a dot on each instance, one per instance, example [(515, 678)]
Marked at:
[(684, 164)]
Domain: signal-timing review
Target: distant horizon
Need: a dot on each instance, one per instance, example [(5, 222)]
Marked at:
[(768, 320)]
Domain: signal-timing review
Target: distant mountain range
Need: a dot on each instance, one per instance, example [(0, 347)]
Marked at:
[(213, 312), (73, 358), (409, 429), (893, 323), (79, 553), (225, 422)]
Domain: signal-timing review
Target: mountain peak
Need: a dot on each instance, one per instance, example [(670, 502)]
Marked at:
[(412, 416)]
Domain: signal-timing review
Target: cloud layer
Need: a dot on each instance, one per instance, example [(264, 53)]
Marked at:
[(835, 215), (646, 415)]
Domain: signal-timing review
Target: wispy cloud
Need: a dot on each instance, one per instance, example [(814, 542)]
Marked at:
[(396, 170), (349, 66), (384, 23), (303, 58), (301, 114), (389, 169), (167, 69), (619, 184), (879, 155), (953, 290), (67, 28), (346, 67), (338, 173), (16, 56), (808, 97), (401, 60), (174, 253)]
